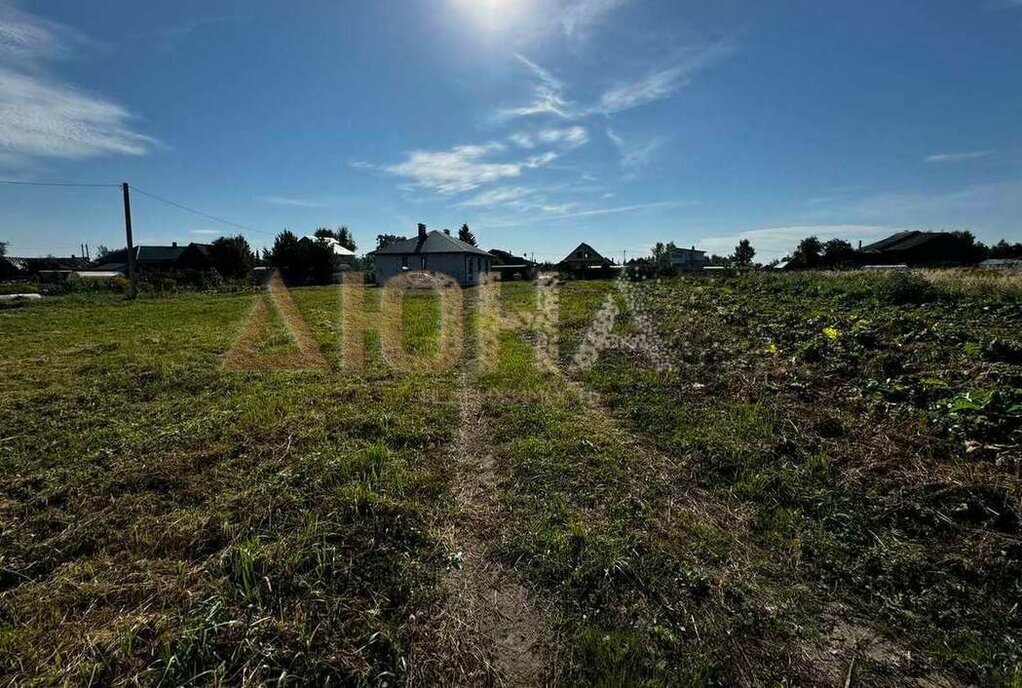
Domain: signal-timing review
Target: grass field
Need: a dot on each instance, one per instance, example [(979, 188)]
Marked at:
[(824, 484)]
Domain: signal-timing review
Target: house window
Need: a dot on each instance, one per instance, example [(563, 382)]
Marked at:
[(404, 261), (423, 259), (470, 270)]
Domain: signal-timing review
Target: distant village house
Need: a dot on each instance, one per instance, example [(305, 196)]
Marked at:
[(434, 252), (688, 259), (914, 248), (585, 261)]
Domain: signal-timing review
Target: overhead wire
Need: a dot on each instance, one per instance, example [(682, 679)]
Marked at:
[(181, 206), (199, 212)]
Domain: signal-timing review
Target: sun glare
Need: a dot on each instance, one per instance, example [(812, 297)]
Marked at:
[(496, 15)]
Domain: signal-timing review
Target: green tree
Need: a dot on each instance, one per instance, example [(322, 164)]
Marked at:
[(3, 249), (342, 234), (662, 256), (232, 257), (317, 261), (465, 234), (1002, 249), (744, 253), (837, 251), (658, 251), (388, 239), (102, 251), (285, 255), (969, 250), (807, 255)]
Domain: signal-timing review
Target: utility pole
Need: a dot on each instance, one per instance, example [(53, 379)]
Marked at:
[(131, 246)]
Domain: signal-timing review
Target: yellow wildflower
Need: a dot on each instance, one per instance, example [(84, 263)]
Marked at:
[(831, 333)]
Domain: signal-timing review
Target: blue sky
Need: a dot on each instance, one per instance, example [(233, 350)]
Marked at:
[(541, 123)]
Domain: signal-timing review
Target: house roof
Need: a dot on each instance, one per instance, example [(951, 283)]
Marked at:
[(48, 263), (903, 241), (435, 242), (681, 249), (339, 250), (145, 254), (508, 258), (579, 255)]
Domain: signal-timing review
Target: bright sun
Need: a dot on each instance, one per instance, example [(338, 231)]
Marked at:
[(496, 15)]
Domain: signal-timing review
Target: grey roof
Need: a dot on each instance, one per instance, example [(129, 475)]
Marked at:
[(902, 241), (435, 242), (145, 254), (333, 243), (48, 263), (508, 258)]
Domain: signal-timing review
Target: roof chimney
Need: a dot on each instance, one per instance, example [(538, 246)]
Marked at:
[(860, 244), (422, 232), (173, 244)]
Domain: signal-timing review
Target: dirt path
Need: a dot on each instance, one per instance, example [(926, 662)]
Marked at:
[(511, 628)]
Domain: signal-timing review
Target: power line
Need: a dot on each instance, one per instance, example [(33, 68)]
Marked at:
[(181, 206), (23, 183), (199, 212)]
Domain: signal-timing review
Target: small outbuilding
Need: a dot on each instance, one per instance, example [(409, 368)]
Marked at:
[(434, 252), (510, 267)]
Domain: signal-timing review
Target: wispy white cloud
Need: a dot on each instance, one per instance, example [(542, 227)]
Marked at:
[(626, 208), (958, 157), (566, 138), (662, 83), (579, 17), (523, 139), (498, 196), (27, 39), (207, 232), (555, 212), (634, 155), (295, 202), (558, 208), (463, 168), (41, 116), (170, 37), (548, 95), (993, 200), (570, 137)]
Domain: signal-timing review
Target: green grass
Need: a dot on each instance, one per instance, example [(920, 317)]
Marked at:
[(869, 427), (831, 457), (165, 521)]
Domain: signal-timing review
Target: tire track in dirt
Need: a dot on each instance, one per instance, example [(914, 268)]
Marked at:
[(510, 628)]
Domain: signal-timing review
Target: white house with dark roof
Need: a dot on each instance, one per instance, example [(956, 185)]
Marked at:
[(434, 252)]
